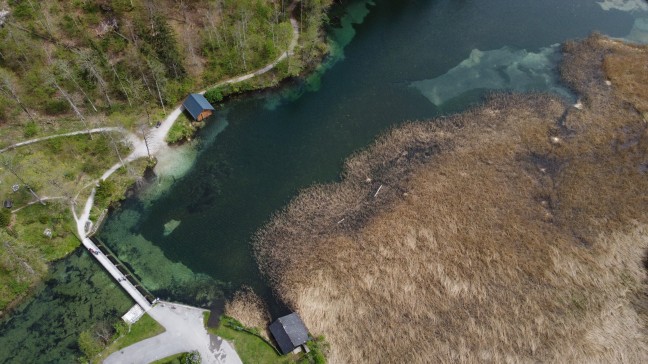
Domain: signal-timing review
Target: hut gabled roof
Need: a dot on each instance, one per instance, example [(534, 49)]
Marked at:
[(289, 332), (195, 104)]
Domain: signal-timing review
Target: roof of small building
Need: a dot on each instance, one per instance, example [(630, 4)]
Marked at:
[(289, 332), (8, 204), (195, 104)]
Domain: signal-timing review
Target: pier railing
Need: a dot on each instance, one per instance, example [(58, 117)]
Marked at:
[(122, 268)]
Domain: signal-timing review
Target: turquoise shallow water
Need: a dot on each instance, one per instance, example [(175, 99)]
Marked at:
[(188, 235)]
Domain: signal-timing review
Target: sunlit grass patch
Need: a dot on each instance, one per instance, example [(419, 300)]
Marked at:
[(146, 327), (250, 348)]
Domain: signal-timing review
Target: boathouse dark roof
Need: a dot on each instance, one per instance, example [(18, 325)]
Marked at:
[(289, 332), (196, 104)]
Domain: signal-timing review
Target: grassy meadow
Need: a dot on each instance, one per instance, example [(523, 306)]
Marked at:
[(513, 232)]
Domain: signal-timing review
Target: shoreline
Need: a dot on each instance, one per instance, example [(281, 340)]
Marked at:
[(159, 141)]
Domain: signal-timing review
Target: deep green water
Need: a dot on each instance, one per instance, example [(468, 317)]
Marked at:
[(187, 236)]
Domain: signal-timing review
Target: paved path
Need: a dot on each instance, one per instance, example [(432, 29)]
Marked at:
[(185, 332)]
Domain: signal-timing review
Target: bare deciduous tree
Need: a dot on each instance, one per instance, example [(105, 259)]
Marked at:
[(89, 63), (64, 68), (157, 71), (67, 97), (8, 87)]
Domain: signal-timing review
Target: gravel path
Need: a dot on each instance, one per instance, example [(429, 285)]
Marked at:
[(36, 140)]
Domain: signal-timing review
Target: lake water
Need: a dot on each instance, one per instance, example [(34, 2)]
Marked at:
[(187, 235)]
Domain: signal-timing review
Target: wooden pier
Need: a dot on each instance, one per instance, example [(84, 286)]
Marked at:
[(118, 271)]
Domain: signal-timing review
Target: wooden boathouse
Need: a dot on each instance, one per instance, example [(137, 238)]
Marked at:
[(198, 107)]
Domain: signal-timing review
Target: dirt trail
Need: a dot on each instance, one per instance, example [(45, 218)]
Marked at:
[(156, 137), (80, 132)]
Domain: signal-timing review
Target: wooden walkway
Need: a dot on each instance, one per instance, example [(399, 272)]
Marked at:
[(125, 279)]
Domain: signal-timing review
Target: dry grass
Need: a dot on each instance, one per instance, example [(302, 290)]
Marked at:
[(514, 232), (248, 309), (627, 69)]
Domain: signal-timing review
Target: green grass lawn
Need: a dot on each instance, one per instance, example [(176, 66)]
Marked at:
[(173, 359), (144, 328), (250, 348)]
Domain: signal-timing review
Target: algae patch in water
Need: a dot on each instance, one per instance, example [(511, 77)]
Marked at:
[(170, 226), (500, 69), (77, 294), (157, 272)]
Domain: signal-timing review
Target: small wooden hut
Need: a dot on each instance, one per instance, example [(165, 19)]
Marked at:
[(198, 107), (289, 332)]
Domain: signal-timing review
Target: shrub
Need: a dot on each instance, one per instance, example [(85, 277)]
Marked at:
[(43, 219), (5, 218), (89, 345), (214, 95), (181, 130), (56, 107), (22, 10), (192, 357), (316, 356), (105, 192), (30, 130)]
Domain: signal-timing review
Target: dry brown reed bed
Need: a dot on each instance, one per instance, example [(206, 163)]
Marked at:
[(510, 233), (248, 308)]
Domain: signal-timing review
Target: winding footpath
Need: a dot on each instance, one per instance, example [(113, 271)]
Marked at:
[(184, 326), (156, 144), (80, 132)]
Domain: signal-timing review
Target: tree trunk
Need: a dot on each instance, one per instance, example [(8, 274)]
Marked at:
[(73, 105), (11, 169), (8, 88), (121, 85)]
